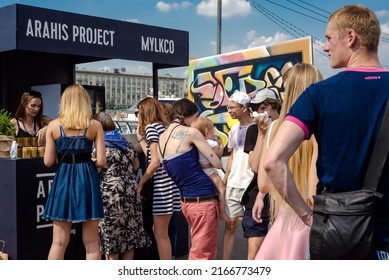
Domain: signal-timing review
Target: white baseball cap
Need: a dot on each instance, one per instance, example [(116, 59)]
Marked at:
[(240, 97), (264, 94)]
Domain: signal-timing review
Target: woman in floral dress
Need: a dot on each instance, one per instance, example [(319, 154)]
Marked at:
[(121, 230)]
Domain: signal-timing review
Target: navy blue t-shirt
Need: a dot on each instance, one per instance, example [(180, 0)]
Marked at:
[(345, 113)]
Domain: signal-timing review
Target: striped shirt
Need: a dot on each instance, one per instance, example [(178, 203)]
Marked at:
[(166, 198)]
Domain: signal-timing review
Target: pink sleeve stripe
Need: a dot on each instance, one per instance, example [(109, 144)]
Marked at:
[(300, 124)]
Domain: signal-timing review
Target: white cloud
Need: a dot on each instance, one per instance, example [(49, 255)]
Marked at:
[(385, 28), (382, 13), (167, 7), (230, 8), (251, 40)]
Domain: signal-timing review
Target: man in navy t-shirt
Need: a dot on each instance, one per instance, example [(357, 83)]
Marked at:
[(344, 113)]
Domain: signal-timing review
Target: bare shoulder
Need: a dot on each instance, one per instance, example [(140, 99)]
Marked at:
[(195, 133), (94, 124), (179, 132), (54, 123)]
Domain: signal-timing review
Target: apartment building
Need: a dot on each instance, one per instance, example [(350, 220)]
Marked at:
[(123, 89)]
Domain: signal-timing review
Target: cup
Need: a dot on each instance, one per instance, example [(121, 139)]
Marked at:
[(41, 151), (26, 152), (34, 141), (34, 151), (26, 141)]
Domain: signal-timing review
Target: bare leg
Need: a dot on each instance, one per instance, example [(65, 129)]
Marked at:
[(229, 237), (61, 236), (254, 243), (161, 232), (113, 257), (127, 255), (90, 238)]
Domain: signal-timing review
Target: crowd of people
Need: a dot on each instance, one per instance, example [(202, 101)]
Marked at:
[(283, 150)]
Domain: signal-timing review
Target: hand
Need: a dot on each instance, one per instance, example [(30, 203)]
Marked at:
[(41, 134), (222, 209), (307, 219), (257, 209), (138, 191), (263, 124)]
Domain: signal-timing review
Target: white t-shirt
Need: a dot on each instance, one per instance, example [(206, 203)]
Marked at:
[(240, 174)]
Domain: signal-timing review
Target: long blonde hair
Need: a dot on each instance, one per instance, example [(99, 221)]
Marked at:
[(299, 77), (75, 110)]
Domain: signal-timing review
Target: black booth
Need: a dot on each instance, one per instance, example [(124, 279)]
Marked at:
[(40, 47)]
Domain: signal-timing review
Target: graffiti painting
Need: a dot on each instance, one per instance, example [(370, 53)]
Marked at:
[(213, 79)]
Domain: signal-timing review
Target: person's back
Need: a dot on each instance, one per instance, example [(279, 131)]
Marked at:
[(348, 127), (75, 192), (179, 148), (344, 113), (288, 236)]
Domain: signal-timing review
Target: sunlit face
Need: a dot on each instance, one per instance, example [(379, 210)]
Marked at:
[(33, 107), (273, 114), (235, 109), (336, 47)]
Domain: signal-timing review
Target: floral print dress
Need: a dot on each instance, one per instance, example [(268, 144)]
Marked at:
[(122, 226)]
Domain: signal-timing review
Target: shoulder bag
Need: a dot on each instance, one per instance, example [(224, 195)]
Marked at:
[(343, 223)]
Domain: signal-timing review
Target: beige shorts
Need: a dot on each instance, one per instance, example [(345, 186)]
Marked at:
[(233, 199)]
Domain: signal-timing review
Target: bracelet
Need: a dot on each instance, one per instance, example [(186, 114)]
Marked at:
[(141, 139)]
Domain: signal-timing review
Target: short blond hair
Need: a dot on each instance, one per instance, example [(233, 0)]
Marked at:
[(75, 110), (362, 20)]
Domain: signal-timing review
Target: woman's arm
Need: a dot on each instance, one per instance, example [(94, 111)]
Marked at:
[(50, 156), (202, 145), (101, 159), (41, 133), (255, 155), (151, 168)]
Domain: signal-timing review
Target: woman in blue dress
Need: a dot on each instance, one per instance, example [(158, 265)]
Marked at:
[(75, 192)]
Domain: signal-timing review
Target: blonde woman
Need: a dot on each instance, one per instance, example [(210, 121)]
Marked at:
[(75, 192), (288, 236)]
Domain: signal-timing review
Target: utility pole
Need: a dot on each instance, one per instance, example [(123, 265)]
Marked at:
[(219, 26)]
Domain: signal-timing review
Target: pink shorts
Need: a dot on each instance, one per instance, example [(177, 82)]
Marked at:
[(203, 217)]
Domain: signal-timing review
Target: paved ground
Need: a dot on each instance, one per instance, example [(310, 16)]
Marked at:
[(240, 247)]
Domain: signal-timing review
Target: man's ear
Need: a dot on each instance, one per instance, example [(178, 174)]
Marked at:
[(352, 37)]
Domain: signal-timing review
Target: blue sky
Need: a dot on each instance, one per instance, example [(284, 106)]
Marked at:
[(243, 25)]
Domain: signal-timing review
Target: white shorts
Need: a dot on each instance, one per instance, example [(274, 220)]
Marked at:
[(233, 199)]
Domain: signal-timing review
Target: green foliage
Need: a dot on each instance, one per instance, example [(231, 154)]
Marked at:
[(6, 127)]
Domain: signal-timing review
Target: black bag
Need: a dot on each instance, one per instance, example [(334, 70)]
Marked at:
[(147, 191), (343, 223)]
